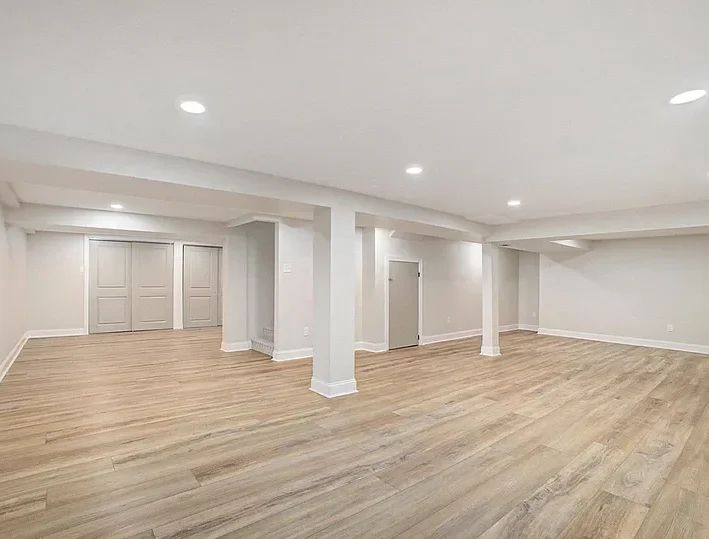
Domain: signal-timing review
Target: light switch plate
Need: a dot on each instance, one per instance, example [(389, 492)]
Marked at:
[(287, 268)]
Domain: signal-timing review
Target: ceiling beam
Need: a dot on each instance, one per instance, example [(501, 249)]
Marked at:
[(8, 198), (60, 219), (671, 219), (578, 245), (28, 146)]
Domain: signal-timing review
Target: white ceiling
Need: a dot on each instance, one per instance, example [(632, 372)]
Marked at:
[(560, 104), (75, 198)]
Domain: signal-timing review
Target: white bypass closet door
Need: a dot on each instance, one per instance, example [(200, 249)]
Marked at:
[(152, 286), (201, 286), (130, 286), (110, 265), (403, 304)]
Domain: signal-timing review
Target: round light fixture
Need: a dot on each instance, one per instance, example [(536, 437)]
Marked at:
[(688, 97), (514, 203), (193, 107), (414, 170), (117, 206)]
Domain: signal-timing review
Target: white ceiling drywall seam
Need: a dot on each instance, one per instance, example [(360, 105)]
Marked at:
[(30, 146)]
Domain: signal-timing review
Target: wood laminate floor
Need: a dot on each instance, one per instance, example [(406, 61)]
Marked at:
[(161, 435)]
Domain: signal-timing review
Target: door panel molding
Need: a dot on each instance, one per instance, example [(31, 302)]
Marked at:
[(152, 286), (201, 281), (110, 301), (132, 292)]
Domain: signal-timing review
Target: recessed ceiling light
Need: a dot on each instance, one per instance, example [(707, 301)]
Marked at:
[(688, 97), (117, 206), (414, 170), (514, 203), (193, 107)]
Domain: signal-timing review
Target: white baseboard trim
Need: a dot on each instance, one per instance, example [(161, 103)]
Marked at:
[(528, 327), (330, 390), (632, 341), (236, 346), (443, 337), (12, 356), (490, 351), (289, 355), (374, 347), (43, 333), (508, 327)]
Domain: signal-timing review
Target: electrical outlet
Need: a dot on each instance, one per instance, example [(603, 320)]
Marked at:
[(534, 314), (306, 331), (670, 327), (448, 320), (287, 268)]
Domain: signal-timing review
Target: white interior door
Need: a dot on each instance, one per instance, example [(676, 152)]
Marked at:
[(109, 286), (403, 304), (152, 284), (201, 286)]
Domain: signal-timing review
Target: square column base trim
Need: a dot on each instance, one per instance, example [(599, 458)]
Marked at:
[(235, 346), (491, 351), (335, 389)]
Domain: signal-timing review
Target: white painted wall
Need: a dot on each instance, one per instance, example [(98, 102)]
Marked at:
[(451, 274), (509, 287), (528, 290), (58, 257), (261, 266), (13, 312), (358, 284), (451, 284), (294, 290), (630, 288), (55, 282)]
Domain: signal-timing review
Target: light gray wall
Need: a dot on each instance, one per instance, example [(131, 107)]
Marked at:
[(294, 290), (630, 288), (358, 285), (13, 312), (509, 287), (528, 289), (451, 281), (261, 272), (55, 281)]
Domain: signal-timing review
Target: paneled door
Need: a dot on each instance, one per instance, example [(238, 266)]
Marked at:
[(110, 267), (152, 284), (201, 286), (403, 304)]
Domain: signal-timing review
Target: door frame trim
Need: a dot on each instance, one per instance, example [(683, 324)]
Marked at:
[(87, 280), (418, 261)]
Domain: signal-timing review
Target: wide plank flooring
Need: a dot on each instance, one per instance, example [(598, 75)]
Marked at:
[(160, 435)]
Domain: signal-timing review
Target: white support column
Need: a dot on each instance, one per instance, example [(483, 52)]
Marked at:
[(235, 333), (491, 283), (334, 298)]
